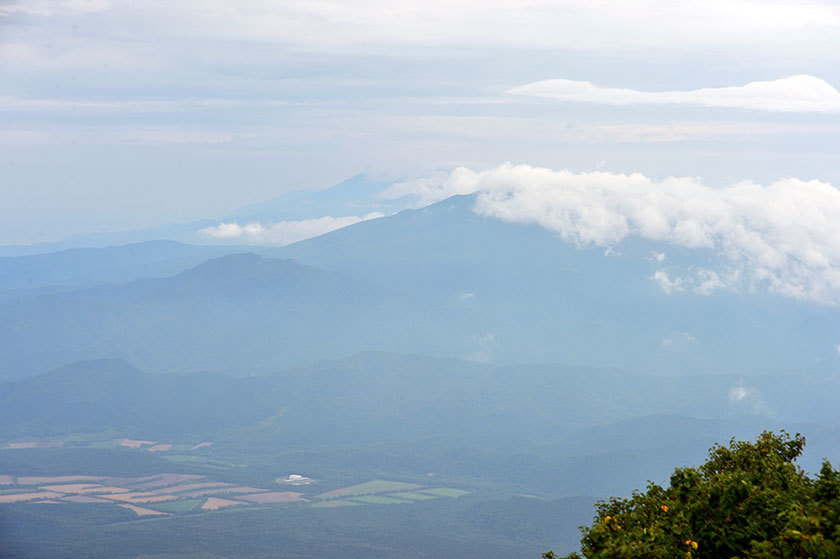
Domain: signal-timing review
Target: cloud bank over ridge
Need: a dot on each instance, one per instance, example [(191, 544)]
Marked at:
[(282, 232), (785, 236), (794, 94)]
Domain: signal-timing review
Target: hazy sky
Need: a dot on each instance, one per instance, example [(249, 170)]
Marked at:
[(117, 115)]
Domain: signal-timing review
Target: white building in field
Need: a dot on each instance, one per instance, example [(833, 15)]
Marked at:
[(295, 479)]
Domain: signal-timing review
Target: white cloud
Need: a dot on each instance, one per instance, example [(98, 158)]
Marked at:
[(336, 25), (429, 190), (52, 7), (709, 281), (785, 236), (667, 284), (740, 394), (282, 232), (794, 94), (698, 280)]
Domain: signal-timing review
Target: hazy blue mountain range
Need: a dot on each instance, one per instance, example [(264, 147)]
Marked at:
[(440, 280), (26, 276), (534, 373), (576, 305), (239, 313)]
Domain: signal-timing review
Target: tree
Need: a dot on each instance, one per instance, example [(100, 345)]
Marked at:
[(748, 500)]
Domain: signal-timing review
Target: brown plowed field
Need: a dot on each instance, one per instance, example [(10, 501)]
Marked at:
[(41, 480), (214, 503), (20, 497), (160, 480), (139, 497), (273, 497)]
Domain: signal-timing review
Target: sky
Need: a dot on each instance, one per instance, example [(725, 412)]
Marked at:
[(122, 115)]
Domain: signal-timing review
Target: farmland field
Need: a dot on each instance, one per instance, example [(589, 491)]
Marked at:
[(412, 496), (446, 492), (370, 487), (176, 506), (337, 503), (163, 494), (14, 490), (380, 500), (273, 497), (215, 503), (142, 511), (34, 496)]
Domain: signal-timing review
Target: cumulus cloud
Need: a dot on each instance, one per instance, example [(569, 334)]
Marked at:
[(668, 284), (794, 94), (749, 396), (432, 189), (784, 236), (281, 232), (698, 280)]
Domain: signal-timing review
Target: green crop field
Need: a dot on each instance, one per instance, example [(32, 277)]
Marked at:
[(411, 496), (379, 500), (370, 487), (445, 492), (194, 459), (336, 503), (15, 490)]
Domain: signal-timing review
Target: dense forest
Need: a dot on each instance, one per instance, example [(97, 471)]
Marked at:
[(747, 500)]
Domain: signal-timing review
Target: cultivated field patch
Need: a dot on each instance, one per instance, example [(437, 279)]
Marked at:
[(369, 488), (168, 493), (15, 490), (446, 492), (183, 505), (222, 491), (83, 488), (379, 500), (163, 480), (22, 497), (411, 496), (194, 486), (332, 503), (43, 480), (273, 497), (215, 503), (131, 443), (141, 497), (143, 511), (35, 444)]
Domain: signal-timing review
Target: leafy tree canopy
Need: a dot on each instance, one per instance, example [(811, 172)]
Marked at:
[(748, 500)]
